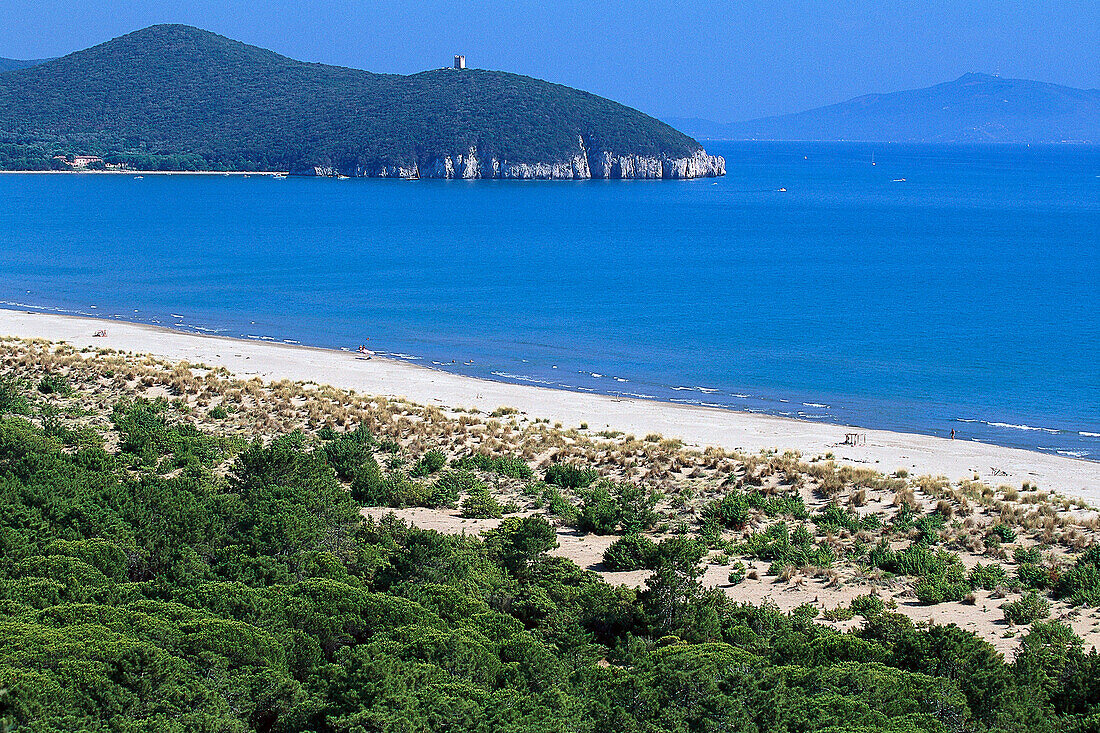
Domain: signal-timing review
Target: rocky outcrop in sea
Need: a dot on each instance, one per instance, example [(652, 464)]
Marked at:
[(582, 164)]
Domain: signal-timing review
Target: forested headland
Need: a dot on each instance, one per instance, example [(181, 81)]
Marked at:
[(172, 97)]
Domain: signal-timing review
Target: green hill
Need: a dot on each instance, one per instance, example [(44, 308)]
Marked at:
[(173, 96), (975, 108), (13, 64)]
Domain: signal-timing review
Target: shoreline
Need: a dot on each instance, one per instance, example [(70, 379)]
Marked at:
[(885, 451), (759, 403)]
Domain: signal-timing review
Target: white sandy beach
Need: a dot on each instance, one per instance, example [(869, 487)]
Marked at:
[(885, 451)]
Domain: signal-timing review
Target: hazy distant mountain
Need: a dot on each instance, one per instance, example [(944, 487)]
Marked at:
[(172, 97), (973, 108), (13, 64)]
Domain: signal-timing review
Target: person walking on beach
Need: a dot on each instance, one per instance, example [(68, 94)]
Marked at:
[(952, 433)]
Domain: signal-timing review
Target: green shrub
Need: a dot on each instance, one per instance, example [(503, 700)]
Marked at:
[(635, 507), (632, 552), (785, 505), (682, 552), (1036, 577), (450, 486), (737, 573), (507, 466), (935, 589), (569, 477), (429, 463), (479, 504), (930, 526), (801, 536), (1031, 607), (558, 505), (365, 437), (599, 512), (147, 435), (731, 511), (942, 576), (346, 455), (1081, 583), (987, 577), (399, 490), (82, 435), (919, 560), (55, 384), (805, 612), (218, 412), (1003, 532), (512, 467), (883, 556), (518, 542), (904, 518), (710, 533), (867, 605), (772, 544), (13, 398), (840, 613), (777, 545), (835, 518), (366, 483), (1027, 555)]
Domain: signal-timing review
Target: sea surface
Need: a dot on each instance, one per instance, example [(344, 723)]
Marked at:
[(943, 287)]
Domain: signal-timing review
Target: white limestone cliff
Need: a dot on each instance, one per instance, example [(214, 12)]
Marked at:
[(582, 164)]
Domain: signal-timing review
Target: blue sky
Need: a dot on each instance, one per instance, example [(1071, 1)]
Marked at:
[(720, 60)]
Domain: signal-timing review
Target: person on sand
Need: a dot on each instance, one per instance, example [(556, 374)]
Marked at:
[(952, 433)]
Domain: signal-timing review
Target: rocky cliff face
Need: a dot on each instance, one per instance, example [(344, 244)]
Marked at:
[(582, 164)]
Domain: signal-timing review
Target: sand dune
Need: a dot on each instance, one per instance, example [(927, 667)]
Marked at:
[(885, 451)]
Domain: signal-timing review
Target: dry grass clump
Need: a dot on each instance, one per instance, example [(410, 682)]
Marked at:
[(906, 496), (933, 486)]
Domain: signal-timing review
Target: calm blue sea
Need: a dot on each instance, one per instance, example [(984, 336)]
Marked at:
[(943, 287)]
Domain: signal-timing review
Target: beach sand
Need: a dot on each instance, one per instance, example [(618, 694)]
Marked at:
[(884, 450)]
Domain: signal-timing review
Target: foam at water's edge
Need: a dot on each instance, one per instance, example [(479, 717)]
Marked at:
[(670, 391)]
